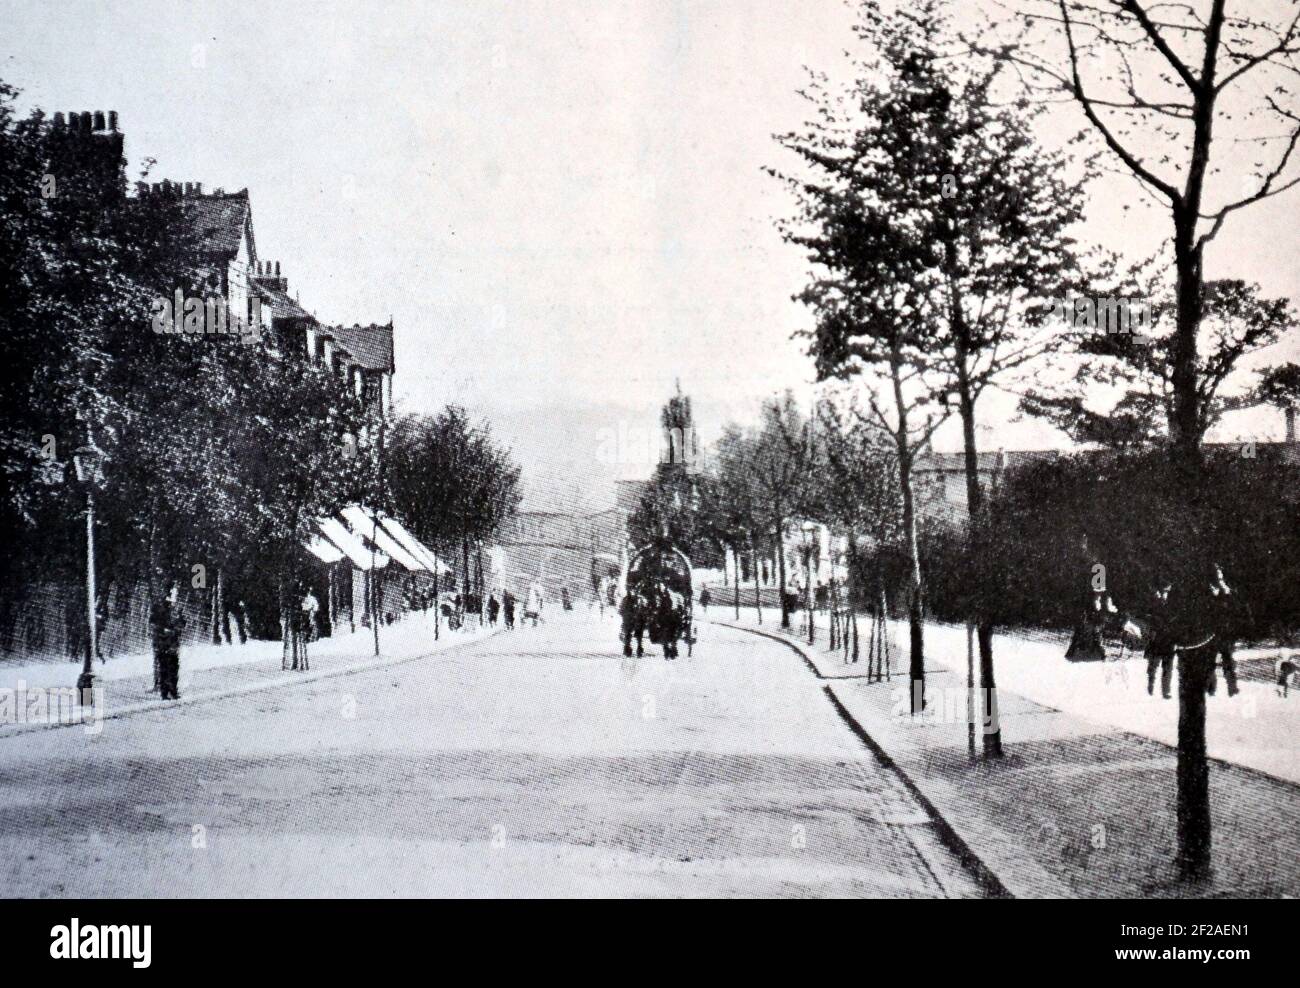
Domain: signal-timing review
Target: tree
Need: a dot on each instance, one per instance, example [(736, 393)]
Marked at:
[(1238, 321), (987, 213), (452, 485), (1164, 86), (731, 507), (781, 472), (858, 488), (870, 287)]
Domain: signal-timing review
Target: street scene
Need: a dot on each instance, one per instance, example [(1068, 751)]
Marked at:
[(634, 449)]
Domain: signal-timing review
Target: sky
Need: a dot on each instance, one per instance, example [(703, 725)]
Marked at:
[(560, 204)]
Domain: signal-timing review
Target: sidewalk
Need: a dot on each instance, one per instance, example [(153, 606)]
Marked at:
[(210, 671), (1080, 805)]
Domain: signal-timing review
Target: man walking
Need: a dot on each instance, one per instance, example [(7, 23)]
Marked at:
[(310, 608), (494, 608), (1160, 643), (1226, 619), (167, 623), (510, 610)]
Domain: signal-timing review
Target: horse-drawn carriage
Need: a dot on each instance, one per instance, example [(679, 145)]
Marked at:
[(658, 600)]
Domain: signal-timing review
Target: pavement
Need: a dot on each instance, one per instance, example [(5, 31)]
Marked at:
[(537, 762), (1083, 802), (124, 684)]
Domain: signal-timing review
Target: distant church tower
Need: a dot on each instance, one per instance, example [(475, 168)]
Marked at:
[(681, 443)]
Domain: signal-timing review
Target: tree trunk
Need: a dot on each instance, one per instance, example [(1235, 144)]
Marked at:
[(1195, 666), (217, 607), (915, 600), (736, 581), (464, 577), (780, 567), (758, 600), (975, 510), (1185, 414)]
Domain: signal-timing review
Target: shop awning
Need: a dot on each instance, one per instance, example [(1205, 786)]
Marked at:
[(362, 522), (354, 548), (413, 545), (323, 549)]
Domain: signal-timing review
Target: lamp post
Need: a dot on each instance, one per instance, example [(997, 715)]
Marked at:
[(88, 462), (809, 530)]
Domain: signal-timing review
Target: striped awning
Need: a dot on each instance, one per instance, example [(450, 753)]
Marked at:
[(353, 547), (364, 523), (413, 545)]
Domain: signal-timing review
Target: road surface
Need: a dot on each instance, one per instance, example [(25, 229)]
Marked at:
[(537, 762)]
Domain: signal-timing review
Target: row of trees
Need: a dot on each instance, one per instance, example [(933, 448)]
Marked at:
[(944, 243), (942, 233)]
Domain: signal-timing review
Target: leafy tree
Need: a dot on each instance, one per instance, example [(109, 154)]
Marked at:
[(450, 481), (781, 474), (870, 289), (1173, 90), (859, 492), (1238, 321), (731, 508)]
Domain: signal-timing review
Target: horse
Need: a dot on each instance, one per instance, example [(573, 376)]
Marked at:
[(670, 621), (636, 608)]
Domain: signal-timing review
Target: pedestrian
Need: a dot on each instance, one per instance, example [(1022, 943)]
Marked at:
[(510, 610), (1160, 641), (565, 600), (167, 623), (1086, 644), (494, 608), (310, 607), (1227, 616), (705, 598), (235, 608), (1288, 674), (533, 606)]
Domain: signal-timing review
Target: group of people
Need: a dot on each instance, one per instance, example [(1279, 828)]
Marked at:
[(508, 605), (1198, 614)]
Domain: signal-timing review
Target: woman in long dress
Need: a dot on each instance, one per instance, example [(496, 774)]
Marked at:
[(1086, 644)]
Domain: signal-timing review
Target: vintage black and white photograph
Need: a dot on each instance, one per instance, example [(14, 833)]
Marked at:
[(631, 449)]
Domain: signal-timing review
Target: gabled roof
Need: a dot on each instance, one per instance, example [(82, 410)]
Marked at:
[(370, 346), (280, 304), (219, 221)]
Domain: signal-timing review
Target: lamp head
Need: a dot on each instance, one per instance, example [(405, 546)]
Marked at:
[(88, 460)]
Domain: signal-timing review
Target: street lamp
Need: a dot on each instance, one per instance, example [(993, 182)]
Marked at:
[(809, 532), (88, 462)]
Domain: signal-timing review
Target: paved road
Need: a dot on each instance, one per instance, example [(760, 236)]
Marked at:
[(538, 762)]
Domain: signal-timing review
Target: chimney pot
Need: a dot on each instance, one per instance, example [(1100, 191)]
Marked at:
[(58, 119), (198, 188), (112, 120), (99, 119), (277, 269), (142, 189)]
